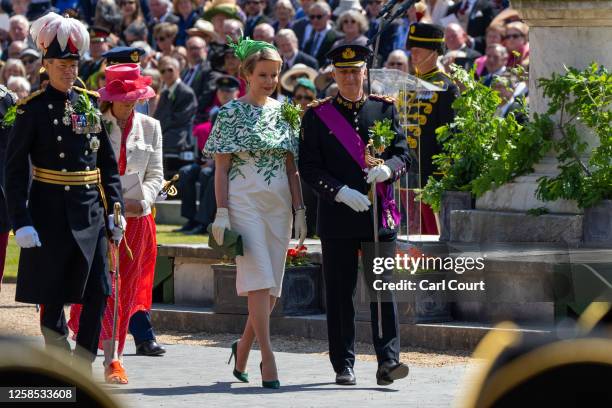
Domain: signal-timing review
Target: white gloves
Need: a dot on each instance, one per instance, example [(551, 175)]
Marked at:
[(116, 230), (220, 224), (353, 198), (379, 174), (27, 237), (299, 225)]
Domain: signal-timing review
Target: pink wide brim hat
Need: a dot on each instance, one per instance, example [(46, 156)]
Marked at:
[(125, 84)]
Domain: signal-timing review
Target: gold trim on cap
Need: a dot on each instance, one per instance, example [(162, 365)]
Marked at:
[(414, 38), (349, 64)]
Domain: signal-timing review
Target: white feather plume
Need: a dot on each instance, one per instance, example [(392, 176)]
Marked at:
[(46, 28)]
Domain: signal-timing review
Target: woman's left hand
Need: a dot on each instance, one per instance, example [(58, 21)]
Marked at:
[(299, 225), (133, 208)]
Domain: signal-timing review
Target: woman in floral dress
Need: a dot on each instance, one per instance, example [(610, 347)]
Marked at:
[(254, 142)]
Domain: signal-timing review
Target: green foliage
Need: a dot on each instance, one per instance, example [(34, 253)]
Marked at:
[(481, 150), (9, 117), (580, 97), (536, 212), (292, 114), (382, 134), (85, 107)]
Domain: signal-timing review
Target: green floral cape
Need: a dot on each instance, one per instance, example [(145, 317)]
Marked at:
[(261, 131)]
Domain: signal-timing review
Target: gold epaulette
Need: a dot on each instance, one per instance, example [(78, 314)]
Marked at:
[(383, 98), (318, 102), (87, 91), (28, 98)]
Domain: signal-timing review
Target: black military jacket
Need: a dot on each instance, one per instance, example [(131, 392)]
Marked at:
[(62, 215), (427, 111), (326, 166)]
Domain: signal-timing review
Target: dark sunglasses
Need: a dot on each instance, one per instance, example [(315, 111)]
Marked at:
[(349, 22), (513, 36), (163, 71), (395, 64), (253, 2), (124, 3), (158, 39), (28, 61), (316, 16), (303, 98)]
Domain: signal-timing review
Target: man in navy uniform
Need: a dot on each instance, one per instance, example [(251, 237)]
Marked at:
[(63, 220), (334, 135)]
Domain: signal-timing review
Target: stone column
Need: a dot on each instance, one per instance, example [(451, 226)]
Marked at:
[(570, 33)]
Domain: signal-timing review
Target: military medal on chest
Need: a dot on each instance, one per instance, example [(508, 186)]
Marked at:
[(94, 144), (84, 117)]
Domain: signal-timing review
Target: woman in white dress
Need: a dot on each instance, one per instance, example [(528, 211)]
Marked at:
[(254, 142)]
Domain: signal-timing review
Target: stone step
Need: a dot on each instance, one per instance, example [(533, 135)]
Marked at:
[(452, 336), (169, 213)]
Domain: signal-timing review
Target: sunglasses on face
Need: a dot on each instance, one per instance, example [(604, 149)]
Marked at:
[(513, 36), (253, 2), (163, 71), (316, 16), (160, 39), (303, 98), (395, 64), (28, 61), (125, 3), (349, 22)]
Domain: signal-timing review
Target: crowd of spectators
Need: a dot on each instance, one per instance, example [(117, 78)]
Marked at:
[(183, 46)]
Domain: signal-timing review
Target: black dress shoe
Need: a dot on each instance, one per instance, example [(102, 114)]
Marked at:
[(346, 377), (150, 348), (197, 230), (189, 225), (390, 371)]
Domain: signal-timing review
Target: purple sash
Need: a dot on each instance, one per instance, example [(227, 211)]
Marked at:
[(352, 143)]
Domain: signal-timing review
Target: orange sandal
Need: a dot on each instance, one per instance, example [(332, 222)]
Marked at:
[(115, 373)]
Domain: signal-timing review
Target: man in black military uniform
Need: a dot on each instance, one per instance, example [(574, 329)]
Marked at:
[(345, 218), (427, 111), (61, 221), (7, 99)]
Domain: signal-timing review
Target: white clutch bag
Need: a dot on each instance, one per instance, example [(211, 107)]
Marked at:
[(131, 187)]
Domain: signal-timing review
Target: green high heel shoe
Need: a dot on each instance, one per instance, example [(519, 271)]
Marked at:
[(274, 384), (244, 377)]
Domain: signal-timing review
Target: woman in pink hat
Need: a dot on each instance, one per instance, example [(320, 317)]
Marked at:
[(137, 142)]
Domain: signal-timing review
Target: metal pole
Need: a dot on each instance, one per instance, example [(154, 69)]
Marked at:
[(117, 221)]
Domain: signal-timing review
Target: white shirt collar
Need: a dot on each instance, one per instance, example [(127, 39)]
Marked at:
[(172, 87)]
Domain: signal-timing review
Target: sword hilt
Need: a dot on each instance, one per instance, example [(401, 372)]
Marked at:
[(117, 215)]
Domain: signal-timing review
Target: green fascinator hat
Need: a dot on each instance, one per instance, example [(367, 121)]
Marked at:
[(245, 47)]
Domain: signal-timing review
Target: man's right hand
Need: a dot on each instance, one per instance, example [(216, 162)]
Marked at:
[(353, 198), (27, 237)]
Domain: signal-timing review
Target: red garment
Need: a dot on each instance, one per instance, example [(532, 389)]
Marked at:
[(3, 243), (201, 133), (428, 225), (122, 162), (135, 280)]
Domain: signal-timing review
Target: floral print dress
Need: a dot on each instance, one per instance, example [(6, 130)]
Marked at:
[(259, 139)]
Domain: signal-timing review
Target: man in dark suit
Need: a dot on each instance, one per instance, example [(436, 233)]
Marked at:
[(287, 45), (161, 11), (254, 10), (7, 99), (475, 16), (175, 111), (322, 35), (198, 76), (333, 142), (458, 52), (62, 219)]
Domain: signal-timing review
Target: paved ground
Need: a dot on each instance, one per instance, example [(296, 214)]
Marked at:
[(195, 376), (194, 372)]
